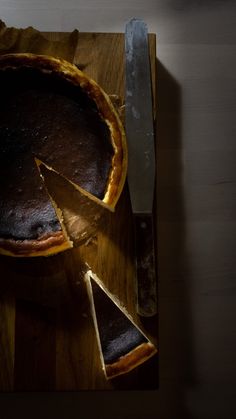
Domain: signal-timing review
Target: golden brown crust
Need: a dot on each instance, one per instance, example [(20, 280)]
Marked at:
[(131, 360), (106, 109), (58, 242), (142, 350), (45, 246)]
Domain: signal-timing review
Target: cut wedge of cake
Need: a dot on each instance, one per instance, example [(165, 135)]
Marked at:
[(53, 114), (122, 344)]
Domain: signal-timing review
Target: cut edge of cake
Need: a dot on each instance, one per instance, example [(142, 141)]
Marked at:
[(68, 243), (87, 194), (60, 240), (49, 244), (107, 111)]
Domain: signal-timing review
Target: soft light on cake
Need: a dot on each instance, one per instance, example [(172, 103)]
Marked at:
[(54, 115)]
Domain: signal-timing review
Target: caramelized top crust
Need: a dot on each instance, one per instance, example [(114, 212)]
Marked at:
[(118, 335), (53, 113), (66, 72)]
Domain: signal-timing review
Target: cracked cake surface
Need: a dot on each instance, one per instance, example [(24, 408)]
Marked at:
[(52, 114)]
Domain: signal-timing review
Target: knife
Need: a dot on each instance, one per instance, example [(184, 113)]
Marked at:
[(141, 168)]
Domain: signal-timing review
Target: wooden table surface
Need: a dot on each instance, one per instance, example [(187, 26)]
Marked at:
[(47, 338)]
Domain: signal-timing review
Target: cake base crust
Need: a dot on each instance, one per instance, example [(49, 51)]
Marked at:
[(122, 344), (53, 114)]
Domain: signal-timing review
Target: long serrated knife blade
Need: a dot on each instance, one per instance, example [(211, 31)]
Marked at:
[(141, 167)]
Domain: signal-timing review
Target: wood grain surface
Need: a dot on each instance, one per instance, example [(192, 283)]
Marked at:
[(47, 338), (196, 44)]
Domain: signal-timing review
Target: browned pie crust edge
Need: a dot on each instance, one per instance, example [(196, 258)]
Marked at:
[(131, 360), (45, 246), (57, 242), (136, 356), (106, 109)]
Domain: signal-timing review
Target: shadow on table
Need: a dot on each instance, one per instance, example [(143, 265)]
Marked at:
[(176, 361)]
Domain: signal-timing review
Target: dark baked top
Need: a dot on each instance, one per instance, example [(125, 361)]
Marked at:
[(46, 117), (53, 115), (118, 335), (122, 344)]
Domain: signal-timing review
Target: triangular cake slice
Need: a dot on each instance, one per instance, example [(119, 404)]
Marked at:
[(122, 344)]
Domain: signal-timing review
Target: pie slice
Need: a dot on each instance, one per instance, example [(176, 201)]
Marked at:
[(123, 346), (53, 115)]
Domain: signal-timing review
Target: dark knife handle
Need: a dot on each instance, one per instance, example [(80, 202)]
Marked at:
[(145, 265)]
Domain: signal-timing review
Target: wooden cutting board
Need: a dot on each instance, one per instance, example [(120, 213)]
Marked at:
[(47, 338)]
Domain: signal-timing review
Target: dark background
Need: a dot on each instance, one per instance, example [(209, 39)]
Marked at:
[(196, 138)]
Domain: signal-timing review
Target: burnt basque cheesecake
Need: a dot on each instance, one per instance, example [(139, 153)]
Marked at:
[(122, 344), (54, 115)]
